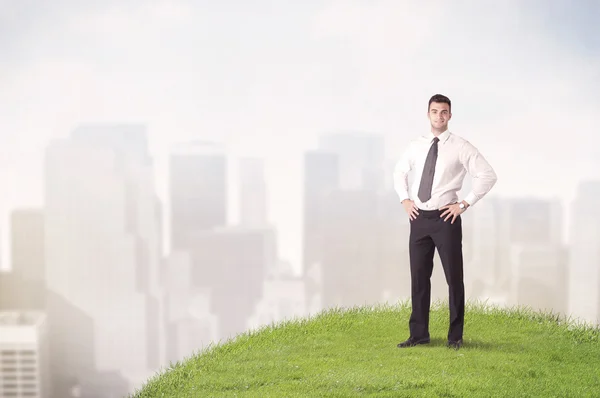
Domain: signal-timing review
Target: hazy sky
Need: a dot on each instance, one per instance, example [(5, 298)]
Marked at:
[(267, 77)]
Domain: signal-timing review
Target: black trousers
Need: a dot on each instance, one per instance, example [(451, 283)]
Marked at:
[(428, 232)]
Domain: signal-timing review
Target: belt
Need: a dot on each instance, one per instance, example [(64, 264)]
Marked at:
[(430, 213), (433, 213)]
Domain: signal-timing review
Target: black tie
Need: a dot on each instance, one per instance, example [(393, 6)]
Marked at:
[(428, 172)]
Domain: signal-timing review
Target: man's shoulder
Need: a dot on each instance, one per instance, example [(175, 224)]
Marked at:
[(460, 141), (418, 139), (457, 138)]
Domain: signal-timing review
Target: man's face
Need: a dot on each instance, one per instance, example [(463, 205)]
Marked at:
[(439, 115)]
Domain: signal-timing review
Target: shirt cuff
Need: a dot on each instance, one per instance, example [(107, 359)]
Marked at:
[(402, 194), (471, 199)]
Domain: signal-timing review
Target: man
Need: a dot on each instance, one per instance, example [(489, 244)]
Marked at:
[(440, 160)]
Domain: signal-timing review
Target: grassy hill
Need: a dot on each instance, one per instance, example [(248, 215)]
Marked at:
[(352, 353)]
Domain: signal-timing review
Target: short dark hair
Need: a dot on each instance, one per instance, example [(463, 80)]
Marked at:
[(439, 98)]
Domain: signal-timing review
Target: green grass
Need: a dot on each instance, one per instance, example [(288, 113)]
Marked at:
[(352, 352)]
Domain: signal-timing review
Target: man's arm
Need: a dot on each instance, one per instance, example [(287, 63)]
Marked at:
[(401, 170), (484, 176)]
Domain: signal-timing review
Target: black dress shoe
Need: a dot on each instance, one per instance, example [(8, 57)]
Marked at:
[(455, 344), (411, 342)]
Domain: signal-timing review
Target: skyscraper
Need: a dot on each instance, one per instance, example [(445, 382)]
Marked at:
[(498, 227), (253, 193), (24, 362), (24, 287), (231, 263), (27, 243), (103, 243), (584, 256), (321, 177), (361, 159), (351, 251), (197, 190)]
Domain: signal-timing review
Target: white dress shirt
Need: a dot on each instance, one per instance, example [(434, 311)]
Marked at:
[(456, 157)]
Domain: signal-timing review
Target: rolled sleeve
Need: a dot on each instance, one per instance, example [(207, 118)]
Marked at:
[(484, 176)]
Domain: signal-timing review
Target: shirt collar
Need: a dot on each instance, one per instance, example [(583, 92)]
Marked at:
[(442, 137)]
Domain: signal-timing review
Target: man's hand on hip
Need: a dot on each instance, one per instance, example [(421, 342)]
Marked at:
[(411, 208), (453, 211)]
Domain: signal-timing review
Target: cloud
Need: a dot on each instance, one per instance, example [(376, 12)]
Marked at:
[(130, 22), (458, 47)]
